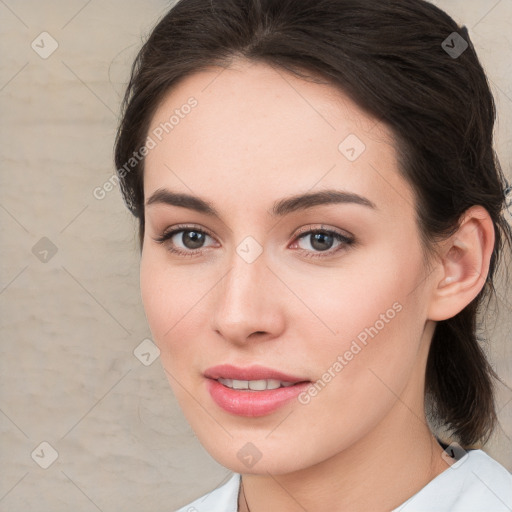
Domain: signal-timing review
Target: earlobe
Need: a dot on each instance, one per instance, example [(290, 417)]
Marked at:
[(463, 265)]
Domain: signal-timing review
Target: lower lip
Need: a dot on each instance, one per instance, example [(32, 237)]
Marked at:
[(252, 403)]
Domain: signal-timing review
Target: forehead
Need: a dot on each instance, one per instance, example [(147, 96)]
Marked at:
[(254, 129)]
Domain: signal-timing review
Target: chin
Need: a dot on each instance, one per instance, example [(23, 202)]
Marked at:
[(241, 455)]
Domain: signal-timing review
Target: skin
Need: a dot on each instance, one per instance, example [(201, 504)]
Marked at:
[(257, 135)]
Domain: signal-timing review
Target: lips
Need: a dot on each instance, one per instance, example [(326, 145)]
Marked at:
[(227, 387), (227, 371)]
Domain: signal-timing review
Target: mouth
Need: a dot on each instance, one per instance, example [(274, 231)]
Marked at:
[(253, 391)]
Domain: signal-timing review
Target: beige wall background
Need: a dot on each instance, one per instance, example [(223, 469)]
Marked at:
[(113, 436)]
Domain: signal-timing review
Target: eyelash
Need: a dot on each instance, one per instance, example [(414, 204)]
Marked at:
[(345, 241)]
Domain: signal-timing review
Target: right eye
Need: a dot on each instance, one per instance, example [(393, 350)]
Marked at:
[(184, 240)]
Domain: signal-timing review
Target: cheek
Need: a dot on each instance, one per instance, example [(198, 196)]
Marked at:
[(361, 297), (373, 351), (174, 299), (364, 367), (155, 291), (376, 315), (166, 295)]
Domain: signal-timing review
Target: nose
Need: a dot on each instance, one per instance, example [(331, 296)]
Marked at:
[(247, 303)]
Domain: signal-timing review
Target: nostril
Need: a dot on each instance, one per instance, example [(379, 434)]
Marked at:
[(256, 333)]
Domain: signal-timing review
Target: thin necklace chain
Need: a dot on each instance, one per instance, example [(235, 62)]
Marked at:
[(243, 492)]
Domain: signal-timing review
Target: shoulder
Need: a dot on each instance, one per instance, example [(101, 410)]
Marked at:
[(222, 499), (475, 483)]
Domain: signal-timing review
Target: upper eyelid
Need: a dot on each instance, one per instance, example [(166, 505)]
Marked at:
[(322, 228)]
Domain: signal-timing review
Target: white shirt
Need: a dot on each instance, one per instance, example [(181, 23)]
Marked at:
[(475, 483)]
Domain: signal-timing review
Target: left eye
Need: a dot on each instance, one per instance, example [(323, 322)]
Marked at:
[(322, 240)]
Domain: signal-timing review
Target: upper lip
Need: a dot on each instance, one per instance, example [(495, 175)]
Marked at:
[(256, 372)]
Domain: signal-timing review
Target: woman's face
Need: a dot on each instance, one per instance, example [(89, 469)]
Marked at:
[(329, 292)]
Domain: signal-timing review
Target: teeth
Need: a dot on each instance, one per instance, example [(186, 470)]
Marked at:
[(254, 385), (239, 384), (260, 385)]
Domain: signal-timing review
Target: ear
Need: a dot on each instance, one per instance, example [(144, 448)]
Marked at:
[(463, 264)]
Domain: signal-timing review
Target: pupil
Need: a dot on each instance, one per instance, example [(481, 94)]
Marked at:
[(194, 241), (322, 238)]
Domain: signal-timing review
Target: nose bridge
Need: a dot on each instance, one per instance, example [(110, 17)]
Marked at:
[(244, 303)]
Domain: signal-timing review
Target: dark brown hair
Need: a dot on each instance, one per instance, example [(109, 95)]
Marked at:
[(386, 55)]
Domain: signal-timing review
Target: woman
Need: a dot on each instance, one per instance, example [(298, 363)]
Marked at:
[(320, 213)]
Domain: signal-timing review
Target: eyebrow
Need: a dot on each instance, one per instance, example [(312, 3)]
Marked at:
[(280, 208)]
